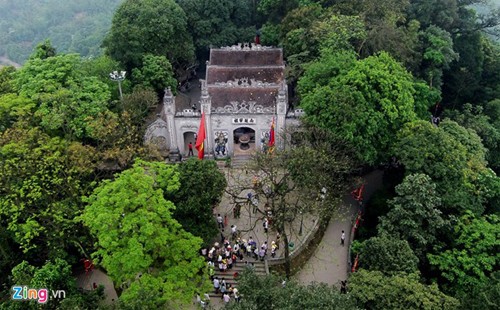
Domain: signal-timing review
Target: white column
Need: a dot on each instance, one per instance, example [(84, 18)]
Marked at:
[(206, 107), (281, 108), (169, 113)]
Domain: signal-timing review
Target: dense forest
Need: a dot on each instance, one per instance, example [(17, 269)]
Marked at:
[(411, 87), (72, 26)]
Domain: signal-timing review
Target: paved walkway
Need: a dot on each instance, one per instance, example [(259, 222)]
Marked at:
[(250, 223), (86, 281), (329, 262)]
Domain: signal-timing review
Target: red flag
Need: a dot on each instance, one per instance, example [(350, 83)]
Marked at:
[(200, 139), (271, 136)]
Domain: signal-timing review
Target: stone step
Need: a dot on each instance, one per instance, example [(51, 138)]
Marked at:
[(240, 161), (228, 277)]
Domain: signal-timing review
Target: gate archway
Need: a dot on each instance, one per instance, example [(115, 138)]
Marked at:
[(189, 136), (243, 141)]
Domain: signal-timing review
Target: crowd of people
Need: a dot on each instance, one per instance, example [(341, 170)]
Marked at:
[(232, 250)]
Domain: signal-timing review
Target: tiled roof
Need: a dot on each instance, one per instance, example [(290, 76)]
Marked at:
[(222, 96), (266, 57), (217, 74)]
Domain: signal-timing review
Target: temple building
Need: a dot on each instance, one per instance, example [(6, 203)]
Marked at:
[(243, 93)]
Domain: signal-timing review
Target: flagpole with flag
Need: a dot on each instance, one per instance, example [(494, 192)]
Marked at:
[(271, 138), (200, 139)]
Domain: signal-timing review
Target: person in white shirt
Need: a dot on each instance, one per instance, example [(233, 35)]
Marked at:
[(236, 294), (219, 221), (233, 231), (216, 285)]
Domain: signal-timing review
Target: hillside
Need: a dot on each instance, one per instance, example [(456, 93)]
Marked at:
[(71, 25)]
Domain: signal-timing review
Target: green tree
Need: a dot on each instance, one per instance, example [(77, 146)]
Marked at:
[(438, 53), (14, 108), (156, 27), (43, 50), (296, 31), (275, 10), (269, 293), (414, 214), (53, 275), (388, 254), (42, 181), (6, 77), (218, 23), (65, 99), (100, 67), (139, 104), (455, 168), (139, 243), (201, 187), (484, 295), (475, 118), (374, 290), (365, 101), (72, 26), (156, 73), (290, 183), (473, 255)]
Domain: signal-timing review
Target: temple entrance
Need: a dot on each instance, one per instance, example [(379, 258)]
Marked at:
[(243, 141), (189, 137)]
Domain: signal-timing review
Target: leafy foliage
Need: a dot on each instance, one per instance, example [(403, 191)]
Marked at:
[(201, 188), (365, 101), (14, 108), (440, 153), (474, 254), (53, 275), (438, 54), (42, 181), (388, 254), (65, 99), (156, 73), (137, 235), (414, 214), (218, 23), (374, 290), (268, 292), (475, 118), (156, 27), (484, 295), (6, 76)]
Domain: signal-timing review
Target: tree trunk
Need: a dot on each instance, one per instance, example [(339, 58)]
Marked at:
[(287, 255)]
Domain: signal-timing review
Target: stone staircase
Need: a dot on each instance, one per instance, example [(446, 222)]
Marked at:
[(240, 161), (259, 268)]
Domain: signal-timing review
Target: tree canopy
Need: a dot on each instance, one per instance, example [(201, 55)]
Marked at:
[(42, 181), (66, 99), (374, 290), (451, 156), (388, 254), (140, 244), (474, 253), (364, 101), (414, 214), (201, 187), (269, 292), (156, 27)]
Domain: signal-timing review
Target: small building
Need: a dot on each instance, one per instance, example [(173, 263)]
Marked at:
[(243, 92)]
